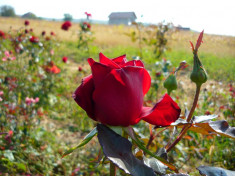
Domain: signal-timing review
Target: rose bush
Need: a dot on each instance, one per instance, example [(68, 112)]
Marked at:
[(114, 93)]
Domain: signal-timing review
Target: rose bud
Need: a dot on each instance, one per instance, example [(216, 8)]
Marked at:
[(26, 22), (43, 33), (65, 59), (198, 75), (79, 68), (114, 94), (170, 83)]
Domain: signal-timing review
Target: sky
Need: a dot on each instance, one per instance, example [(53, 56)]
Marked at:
[(214, 16)]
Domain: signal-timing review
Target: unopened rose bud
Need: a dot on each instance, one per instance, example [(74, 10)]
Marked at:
[(170, 83), (198, 75)]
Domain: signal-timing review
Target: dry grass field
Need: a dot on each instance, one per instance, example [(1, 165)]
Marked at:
[(109, 36)]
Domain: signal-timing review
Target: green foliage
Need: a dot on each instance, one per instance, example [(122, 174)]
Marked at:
[(68, 17), (153, 37), (7, 11)]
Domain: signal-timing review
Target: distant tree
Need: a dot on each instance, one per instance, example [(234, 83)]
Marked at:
[(7, 11), (68, 17)]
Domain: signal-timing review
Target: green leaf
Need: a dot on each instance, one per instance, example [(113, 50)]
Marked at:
[(9, 155), (179, 174), (222, 128), (155, 164), (196, 119), (132, 134), (199, 119), (118, 150), (214, 171), (84, 142)]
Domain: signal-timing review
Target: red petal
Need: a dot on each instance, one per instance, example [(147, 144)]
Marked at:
[(119, 99), (191, 45), (199, 41), (106, 61), (120, 60), (138, 63), (163, 113), (99, 71), (83, 96)]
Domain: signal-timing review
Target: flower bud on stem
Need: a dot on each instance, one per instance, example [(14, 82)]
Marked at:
[(198, 76), (170, 83)]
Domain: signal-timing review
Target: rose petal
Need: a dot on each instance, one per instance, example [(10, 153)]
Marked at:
[(99, 71), (106, 61), (134, 63), (119, 101), (83, 96), (120, 60), (163, 113)]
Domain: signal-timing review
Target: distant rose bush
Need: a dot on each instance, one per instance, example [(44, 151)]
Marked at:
[(114, 93), (34, 39), (51, 68), (85, 26)]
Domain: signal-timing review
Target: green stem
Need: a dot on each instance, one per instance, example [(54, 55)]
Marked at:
[(112, 169), (187, 126)]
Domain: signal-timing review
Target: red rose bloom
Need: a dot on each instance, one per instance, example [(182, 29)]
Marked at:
[(113, 94), (85, 26), (34, 39), (26, 22), (51, 68), (52, 33), (65, 59), (2, 34), (66, 25), (79, 68)]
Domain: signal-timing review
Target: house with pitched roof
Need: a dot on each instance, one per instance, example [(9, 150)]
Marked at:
[(122, 18)]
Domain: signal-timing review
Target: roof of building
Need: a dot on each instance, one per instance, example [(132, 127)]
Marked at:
[(122, 15)]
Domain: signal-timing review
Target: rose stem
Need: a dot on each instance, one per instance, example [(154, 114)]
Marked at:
[(112, 169), (152, 137), (187, 126)]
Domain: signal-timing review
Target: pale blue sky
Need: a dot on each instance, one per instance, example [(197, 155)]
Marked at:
[(214, 16)]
